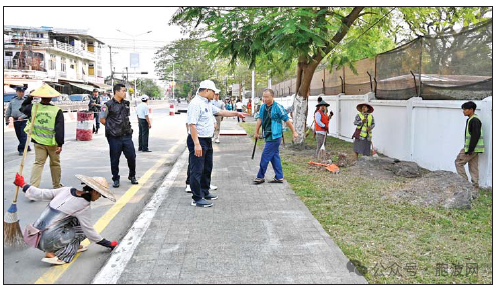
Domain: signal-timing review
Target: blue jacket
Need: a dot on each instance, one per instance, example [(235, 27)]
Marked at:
[(278, 114)]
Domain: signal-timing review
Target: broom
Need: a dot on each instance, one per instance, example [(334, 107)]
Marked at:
[(322, 154), (12, 234)]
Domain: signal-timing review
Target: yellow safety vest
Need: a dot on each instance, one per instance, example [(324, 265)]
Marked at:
[(364, 129), (480, 147), (44, 124)]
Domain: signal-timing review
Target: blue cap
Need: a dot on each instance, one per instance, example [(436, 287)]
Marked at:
[(20, 89)]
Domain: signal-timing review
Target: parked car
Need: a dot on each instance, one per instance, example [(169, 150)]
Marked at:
[(8, 96), (79, 97)]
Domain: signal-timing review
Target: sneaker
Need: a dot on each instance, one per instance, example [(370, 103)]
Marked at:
[(201, 203), (211, 197), (133, 180), (188, 188), (213, 187), (116, 183), (217, 141)]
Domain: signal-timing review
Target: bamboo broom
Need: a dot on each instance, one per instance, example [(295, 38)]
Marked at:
[(12, 234)]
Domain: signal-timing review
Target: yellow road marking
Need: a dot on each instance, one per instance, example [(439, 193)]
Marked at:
[(52, 275)]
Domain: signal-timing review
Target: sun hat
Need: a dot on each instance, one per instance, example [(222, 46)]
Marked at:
[(323, 103), (45, 91), (99, 184), (370, 108)]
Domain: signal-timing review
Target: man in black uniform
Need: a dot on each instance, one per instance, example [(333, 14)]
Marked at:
[(95, 106), (115, 116)]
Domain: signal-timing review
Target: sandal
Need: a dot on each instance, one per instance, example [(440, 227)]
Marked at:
[(258, 180), (53, 261), (83, 249), (276, 181)]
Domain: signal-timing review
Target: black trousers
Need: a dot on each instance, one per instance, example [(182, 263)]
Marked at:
[(188, 179), (117, 146), (21, 135), (201, 167), (144, 132)]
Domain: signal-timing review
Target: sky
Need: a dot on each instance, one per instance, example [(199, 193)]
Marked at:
[(102, 23)]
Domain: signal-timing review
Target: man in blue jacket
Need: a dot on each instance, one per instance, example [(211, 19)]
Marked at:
[(270, 116)]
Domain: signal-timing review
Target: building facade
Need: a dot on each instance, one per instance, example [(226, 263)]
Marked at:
[(68, 59)]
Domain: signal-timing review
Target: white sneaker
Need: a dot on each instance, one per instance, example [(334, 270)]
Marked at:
[(213, 187), (188, 188), (217, 141)]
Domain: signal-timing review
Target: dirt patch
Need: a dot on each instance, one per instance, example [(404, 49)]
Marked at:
[(438, 189)]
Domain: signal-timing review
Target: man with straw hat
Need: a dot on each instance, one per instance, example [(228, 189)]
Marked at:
[(47, 134), (66, 221)]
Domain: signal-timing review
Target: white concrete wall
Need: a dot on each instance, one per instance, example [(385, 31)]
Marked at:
[(430, 133)]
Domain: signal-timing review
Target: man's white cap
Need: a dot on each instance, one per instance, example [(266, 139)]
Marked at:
[(207, 84), (144, 98)]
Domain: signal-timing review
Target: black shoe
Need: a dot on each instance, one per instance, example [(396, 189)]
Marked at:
[(147, 150), (116, 183), (133, 180), (140, 149), (29, 149), (21, 153), (96, 132)]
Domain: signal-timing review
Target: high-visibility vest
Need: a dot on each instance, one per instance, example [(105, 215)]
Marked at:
[(324, 120), (44, 124), (364, 129), (480, 147)]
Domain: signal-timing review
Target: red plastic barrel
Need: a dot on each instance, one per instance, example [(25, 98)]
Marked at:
[(84, 128)]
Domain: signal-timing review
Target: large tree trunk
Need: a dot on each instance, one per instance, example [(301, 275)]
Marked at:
[(305, 73), (305, 70)]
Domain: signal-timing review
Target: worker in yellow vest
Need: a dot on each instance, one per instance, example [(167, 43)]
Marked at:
[(473, 145), (365, 122), (47, 134)]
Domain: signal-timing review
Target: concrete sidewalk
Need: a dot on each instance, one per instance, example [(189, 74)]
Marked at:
[(253, 234)]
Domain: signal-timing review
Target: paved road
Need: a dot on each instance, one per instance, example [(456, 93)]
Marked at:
[(167, 139)]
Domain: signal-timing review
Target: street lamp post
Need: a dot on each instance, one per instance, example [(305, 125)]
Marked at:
[(134, 45)]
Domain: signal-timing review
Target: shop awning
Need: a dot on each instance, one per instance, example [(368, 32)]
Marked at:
[(103, 86), (83, 86)]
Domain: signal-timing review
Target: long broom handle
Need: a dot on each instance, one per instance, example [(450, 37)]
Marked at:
[(33, 117)]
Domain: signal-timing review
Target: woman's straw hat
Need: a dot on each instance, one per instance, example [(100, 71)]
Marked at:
[(370, 108), (99, 184)]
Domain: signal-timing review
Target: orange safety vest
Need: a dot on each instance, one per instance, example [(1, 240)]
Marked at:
[(324, 120)]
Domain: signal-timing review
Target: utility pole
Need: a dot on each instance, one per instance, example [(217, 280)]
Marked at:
[(111, 65), (252, 92), (173, 80)]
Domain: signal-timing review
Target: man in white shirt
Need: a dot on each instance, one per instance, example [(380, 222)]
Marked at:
[(238, 107), (201, 123), (142, 112), (221, 105)]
